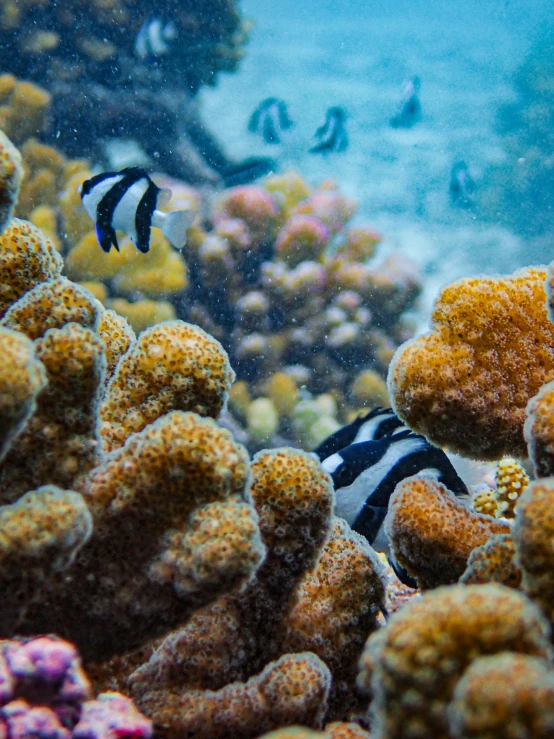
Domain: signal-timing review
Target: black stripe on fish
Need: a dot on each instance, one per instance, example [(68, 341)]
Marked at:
[(143, 216), (374, 425), (106, 207)]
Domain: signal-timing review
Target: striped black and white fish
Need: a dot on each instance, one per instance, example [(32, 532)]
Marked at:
[(128, 201), (154, 38), (331, 134), (374, 425), (365, 473), (410, 107), (270, 119)]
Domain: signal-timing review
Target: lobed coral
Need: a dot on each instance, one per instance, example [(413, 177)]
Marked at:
[(532, 534), (173, 365), (493, 561), (432, 534), (11, 174), (414, 665), (504, 695), (22, 377), (539, 430), (46, 695), (490, 350)]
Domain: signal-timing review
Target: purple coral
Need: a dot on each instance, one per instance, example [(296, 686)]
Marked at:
[(45, 694)]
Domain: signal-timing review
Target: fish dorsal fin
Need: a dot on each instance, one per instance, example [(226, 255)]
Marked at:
[(164, 196)]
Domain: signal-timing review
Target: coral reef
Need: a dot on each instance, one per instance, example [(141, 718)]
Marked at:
[(46, 695), (414, 665), (539, 431), (493, 561), (286, 608), (532, 533), (432, 534), (95, 86), (11, 174), (22, 377), (489, 352)]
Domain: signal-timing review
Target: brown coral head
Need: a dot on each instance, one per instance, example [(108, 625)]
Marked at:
[(432, 533), (465, 385)]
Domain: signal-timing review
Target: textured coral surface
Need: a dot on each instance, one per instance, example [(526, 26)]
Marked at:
[(466, 384), (416, 663), (432, 533)]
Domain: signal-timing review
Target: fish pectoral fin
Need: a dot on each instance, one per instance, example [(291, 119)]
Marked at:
[(164, 196)]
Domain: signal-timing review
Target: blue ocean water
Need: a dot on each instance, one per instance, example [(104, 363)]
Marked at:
[(358, 54)]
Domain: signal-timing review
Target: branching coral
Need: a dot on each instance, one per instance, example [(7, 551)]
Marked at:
[(493, 561), (172, 366), (511, 481), (466, 384), (39, 535), (11, 174), (293, 689), (539, 430), (533, 534), (27, 257), (432, 533), (328, 611), (418, 660), (60, 441), (22, 377), (156, 504), (506, 696)]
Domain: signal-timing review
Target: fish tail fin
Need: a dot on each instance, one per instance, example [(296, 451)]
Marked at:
[(174, 227)]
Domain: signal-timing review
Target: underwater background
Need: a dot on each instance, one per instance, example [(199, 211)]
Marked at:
[(276, 369), (357, 54)]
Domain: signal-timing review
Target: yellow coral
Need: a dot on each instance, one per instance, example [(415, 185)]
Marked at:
[(418, 659), (11, 176), (23, 108), (61, 439), (98, 289), (282, 390), (539, 429), (483, 501), (369, 389), (489, 352), (76, 221), (44, 217), (172, 366), (27, 257), (117, 336), (143, 313), (511, 481), (493, 561), (533, 534), (504, 696), (432, 533), (52, 304), (22, 377), (160, 272)]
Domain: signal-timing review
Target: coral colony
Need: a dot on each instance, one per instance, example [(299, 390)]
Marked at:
[(171, 561)]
